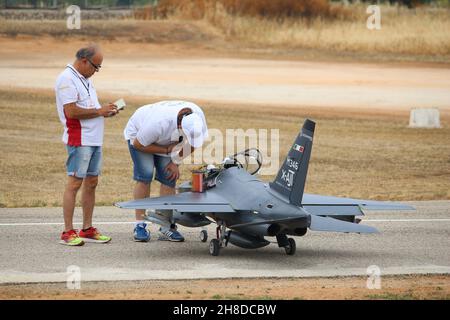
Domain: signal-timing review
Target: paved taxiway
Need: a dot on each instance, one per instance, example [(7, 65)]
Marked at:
[(409, 242)]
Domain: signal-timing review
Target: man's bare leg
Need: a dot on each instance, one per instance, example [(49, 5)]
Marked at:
[(166, 191), (88, 199), (175, 236), (69, 198), (141, 190)]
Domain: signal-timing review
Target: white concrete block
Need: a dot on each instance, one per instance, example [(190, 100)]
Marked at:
[(424, 118)]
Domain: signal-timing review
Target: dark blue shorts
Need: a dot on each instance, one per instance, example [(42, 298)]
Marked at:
[(144, 165)]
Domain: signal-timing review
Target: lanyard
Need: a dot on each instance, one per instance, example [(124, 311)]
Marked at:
[(81, 80)]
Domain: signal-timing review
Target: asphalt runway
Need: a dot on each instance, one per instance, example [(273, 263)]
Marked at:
[(409, 242)]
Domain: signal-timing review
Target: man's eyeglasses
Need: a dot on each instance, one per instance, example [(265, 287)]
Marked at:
[(96, 66)]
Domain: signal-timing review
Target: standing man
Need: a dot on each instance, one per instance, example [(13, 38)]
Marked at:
[(83, 119), (152, 133)]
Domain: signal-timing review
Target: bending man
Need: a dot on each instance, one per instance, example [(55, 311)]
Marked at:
[(152, 133)]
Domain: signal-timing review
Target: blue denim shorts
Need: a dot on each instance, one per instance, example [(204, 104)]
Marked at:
[(84, 161), (144, 165)]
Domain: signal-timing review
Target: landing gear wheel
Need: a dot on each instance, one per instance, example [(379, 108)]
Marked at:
[(214, 247), (290, 249), (203, 236)]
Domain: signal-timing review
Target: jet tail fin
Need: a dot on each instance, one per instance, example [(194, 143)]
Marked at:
[(290, 180)]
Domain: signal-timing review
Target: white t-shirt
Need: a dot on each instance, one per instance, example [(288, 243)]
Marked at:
[(71, 87), (157, 123)]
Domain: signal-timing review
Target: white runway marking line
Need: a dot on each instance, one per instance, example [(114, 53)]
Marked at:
[(132, 222), (59, 223), (405, 220)]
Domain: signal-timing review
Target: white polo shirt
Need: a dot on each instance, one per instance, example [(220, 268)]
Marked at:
[(71, 87), (157, 123)]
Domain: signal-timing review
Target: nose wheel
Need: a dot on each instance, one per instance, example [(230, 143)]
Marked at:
[(203, 236), (216, 244)]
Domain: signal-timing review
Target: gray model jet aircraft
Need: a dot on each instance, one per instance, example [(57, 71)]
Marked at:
[(246, 209)]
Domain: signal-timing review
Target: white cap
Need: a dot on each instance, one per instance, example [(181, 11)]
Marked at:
[(192, 126)]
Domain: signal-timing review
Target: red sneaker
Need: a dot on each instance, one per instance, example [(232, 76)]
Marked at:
[(71, 238), (92, 235)]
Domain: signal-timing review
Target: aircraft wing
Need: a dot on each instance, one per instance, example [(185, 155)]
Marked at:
[(328, 205), (182, 202)]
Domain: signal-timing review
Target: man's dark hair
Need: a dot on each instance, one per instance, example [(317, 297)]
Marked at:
[(87, 52)]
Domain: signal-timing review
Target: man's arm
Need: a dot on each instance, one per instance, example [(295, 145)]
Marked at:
[(156, 148), (74, 112), (153, 148), (181, 152)]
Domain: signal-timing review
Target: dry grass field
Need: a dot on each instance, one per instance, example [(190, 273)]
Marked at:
[(405, 35), (420, 33), (356, 153)]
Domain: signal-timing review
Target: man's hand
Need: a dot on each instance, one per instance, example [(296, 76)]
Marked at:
[(171, 147), (108, 110), (173, 171), (154, 147)]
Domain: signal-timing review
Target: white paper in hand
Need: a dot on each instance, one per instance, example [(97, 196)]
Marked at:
[(120, 104)]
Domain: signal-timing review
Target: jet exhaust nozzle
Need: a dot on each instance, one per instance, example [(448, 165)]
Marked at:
[(300, 231)]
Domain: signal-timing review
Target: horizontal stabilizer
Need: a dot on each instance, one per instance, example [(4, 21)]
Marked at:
[(333, 225), (330, 210), (388, 206), (314, 200)]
